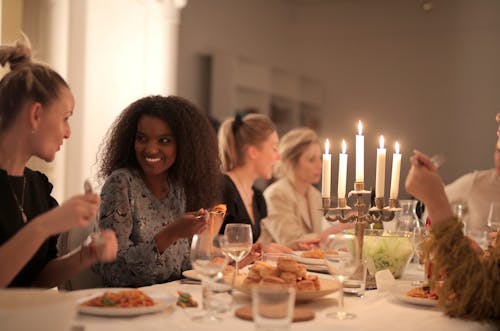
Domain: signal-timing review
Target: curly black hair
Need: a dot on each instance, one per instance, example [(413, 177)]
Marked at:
[(197, 165)]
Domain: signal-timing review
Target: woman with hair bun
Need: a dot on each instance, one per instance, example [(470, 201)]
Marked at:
[(294, 217), (35, 106), (248, 145)]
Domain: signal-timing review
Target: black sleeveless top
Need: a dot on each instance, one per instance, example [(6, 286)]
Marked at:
[(37, 200), (236, 211)]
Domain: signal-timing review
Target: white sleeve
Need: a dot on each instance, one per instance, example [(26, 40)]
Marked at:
[(459, 190)]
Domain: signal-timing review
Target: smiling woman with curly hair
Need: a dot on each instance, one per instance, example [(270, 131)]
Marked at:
[(159, 160)]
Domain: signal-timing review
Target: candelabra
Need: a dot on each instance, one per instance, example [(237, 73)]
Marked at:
[(359, 216)]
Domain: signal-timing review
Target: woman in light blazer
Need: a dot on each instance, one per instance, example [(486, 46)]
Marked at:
[(294, 217)]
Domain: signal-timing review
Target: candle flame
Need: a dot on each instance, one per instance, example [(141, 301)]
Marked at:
[(396, 147), (327, 146), (381, 141), (344, 147), (360, 128)]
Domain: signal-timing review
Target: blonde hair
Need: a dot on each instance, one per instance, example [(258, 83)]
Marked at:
[(26, 81), (238, 133), (291, 147)]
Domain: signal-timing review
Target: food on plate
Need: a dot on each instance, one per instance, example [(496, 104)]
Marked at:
[(318, 253), (121, 299), (185, 300), (288, 272), (424, 292)]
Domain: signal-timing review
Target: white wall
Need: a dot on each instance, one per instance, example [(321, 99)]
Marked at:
[(428, 79), (112, 52)]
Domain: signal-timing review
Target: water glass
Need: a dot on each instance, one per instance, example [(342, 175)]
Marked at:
[(217, 296), (273, 308), (356, 284), (209, 261), (343, 265)]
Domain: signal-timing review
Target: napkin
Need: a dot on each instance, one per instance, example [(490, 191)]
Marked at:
[(385, 280)]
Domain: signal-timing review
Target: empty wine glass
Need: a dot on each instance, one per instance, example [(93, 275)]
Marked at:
[(342, 262), (238, 243), (209, 261), (420, 235), (494, 217)]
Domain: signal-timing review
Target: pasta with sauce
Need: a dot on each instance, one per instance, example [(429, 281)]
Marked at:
[(121, 299)]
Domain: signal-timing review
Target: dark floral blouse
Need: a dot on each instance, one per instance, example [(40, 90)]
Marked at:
[(136, 216)]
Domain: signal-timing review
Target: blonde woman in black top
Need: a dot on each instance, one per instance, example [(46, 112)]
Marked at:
[(35, 106)]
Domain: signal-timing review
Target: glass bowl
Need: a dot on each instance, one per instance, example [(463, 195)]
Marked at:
[(383, 249)]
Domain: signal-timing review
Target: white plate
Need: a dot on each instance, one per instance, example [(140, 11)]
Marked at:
[(317, 268), (192, 274), (307, 260), (399, 292), (163, 301), (327, 286)]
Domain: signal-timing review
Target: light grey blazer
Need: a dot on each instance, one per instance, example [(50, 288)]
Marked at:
[(286, 221)]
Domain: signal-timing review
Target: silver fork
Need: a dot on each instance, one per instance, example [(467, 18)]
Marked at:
[(96, 235)]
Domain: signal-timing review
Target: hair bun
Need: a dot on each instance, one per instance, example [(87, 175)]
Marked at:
[(16, 55)]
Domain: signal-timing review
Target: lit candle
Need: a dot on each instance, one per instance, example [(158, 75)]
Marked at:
[(326, 173), (360, 154), (342, 171), (380, 174), (396, 168)]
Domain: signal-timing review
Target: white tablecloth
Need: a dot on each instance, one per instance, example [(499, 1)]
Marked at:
[(376, 311)]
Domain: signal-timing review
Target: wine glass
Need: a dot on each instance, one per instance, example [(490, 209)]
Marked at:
[(494, 217), (342, 262), (420, 236), (209, 261), (238, 243)]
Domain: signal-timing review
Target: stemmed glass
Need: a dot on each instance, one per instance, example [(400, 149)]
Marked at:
[(238, 243), (209, 261), (420, 235), (494, 217), (342, 263)]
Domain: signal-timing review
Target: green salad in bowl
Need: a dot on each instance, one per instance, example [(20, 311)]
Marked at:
[(387, 250)]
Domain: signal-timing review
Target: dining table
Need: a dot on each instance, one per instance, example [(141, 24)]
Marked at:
[(376, 310)]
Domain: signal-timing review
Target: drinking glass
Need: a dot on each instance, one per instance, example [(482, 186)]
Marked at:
[(494, 217), (419, 237), (407, 218), (238, 243), (209, 261), (342, 263), (272, 308)]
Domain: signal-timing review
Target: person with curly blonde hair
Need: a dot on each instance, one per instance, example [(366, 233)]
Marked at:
[(35, 106), (159, 161)]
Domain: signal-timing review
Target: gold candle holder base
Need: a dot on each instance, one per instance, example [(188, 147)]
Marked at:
[(393, 203), (342, 202), (379, 203), (359, 186), (326, 203)]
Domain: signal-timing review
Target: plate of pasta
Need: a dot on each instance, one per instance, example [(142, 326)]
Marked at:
[(420, 295), (124, 302)]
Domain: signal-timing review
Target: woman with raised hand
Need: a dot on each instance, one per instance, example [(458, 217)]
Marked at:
[(35, 106), (159, 161), (471, 278)]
